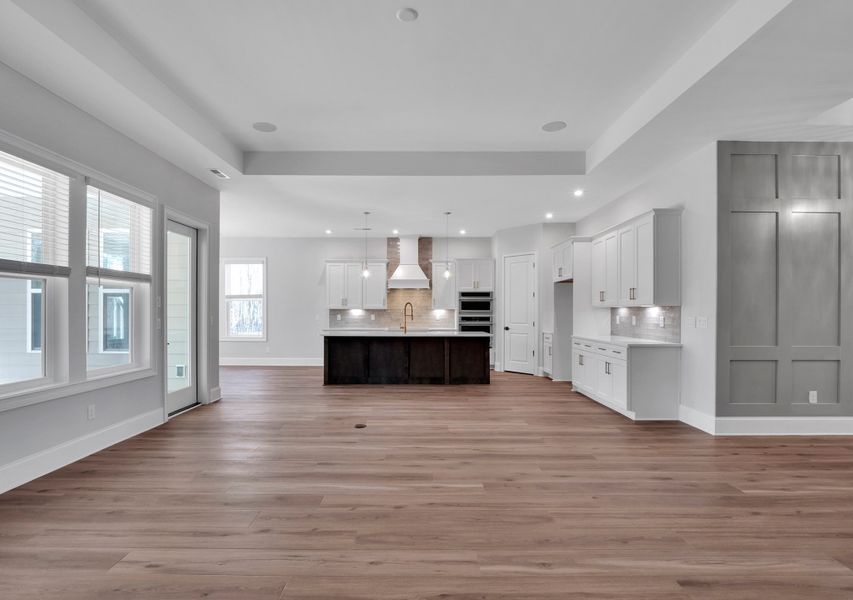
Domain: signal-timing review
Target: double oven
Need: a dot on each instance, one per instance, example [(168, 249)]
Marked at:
[(475, 312)]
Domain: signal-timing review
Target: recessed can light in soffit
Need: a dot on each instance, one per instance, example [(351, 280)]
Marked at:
[(578, 193), (407, 15), (553, 126), (549, 215), (264, 127)]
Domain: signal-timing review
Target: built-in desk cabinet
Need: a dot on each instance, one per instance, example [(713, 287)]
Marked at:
[(641, 382), (638, 263)]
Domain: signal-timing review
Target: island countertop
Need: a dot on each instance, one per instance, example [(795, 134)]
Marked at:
[(399, 333)]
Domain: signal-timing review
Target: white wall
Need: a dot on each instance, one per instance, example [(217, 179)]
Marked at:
[(528, 238), (296, 290), (691, 184), (27, 433)]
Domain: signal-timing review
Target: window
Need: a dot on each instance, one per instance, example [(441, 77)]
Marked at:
[(34, 239), (243, 299), (118, 258)]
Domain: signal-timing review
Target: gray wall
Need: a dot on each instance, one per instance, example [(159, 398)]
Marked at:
[(691, 184), (34, 114), (528, 238), (785, 295), (296, 290)]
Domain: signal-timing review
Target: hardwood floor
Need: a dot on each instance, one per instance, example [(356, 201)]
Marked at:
[(519, 490)]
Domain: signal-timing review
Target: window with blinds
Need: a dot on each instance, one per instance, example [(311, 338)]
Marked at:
[(34, 203), (118, 238)]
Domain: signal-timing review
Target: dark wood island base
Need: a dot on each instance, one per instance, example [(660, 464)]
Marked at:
[(405, 359)]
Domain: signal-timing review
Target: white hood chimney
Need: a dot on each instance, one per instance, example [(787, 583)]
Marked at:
[(409, 274)]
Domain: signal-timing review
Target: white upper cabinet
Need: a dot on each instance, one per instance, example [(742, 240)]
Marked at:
[(475, 274), (346, 287), (561, 257), (376, 286), (443, 290), (354, 286), (639, 263), (336, 280), (605, 269)]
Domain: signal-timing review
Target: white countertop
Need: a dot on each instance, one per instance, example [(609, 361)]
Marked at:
[(625, 342), (400, 333)]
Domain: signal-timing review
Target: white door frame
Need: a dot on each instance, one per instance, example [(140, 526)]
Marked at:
[(204, 240), (535, 255)]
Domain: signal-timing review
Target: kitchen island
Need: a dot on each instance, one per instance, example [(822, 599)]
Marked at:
[(397, 357)]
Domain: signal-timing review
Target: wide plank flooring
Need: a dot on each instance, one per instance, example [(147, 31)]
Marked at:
[(520, 490)]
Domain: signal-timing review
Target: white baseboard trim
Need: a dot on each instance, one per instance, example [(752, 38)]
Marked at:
[(498, 367), (784, 426), (41, 463), (215, 395), (266, 361), (699, 420)]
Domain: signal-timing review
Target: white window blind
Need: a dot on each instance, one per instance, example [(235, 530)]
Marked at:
[(34, 205), (118, 239)]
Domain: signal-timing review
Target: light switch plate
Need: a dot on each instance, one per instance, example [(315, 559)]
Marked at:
[(372, 317), (812, 396), (662, 321), (702, 322), (339, 317), (690, 322), (618, 319)]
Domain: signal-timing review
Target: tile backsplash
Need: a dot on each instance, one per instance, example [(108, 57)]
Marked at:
[(648, 323), (392, 317)]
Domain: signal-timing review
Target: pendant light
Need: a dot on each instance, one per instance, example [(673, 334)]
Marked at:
[(365, 272), (446, 242)]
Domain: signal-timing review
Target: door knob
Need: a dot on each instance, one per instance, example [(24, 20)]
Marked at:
[(506, 328)]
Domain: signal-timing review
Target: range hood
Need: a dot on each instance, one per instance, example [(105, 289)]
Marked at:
[(409, 274)]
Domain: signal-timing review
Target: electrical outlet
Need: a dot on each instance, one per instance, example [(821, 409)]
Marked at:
[(662, 321), (634, 320), (372, 317), (618, 319), (813, 397), (702, 322), (339, 317), (90, 412)]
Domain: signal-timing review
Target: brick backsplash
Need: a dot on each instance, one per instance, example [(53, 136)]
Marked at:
[(648, 324)]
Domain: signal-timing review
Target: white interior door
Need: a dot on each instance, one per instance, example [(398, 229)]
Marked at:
[(520, 313), (181, 317)]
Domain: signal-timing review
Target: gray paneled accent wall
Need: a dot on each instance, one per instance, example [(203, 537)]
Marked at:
[(785, 295)]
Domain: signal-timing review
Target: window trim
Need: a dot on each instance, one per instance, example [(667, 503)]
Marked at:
[(62, 331), (224, 298)]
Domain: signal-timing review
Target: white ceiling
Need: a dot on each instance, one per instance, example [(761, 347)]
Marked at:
[(641, 83), (467, 75)]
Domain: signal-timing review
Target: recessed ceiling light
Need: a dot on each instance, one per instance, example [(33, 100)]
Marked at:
[(264, 127), (407, 15), (549, 215), (553, 126), (462, 232), (395, 232), (328, 232), (578, 193)]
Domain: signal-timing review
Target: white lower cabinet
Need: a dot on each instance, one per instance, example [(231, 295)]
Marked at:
[(637, 378), (548, 353)]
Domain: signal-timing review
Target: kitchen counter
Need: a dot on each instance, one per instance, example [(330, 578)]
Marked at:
[(625, 342), (391, 356), (398, 333)]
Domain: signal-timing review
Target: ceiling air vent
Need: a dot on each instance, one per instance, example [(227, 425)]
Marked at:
[(220, 174)]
